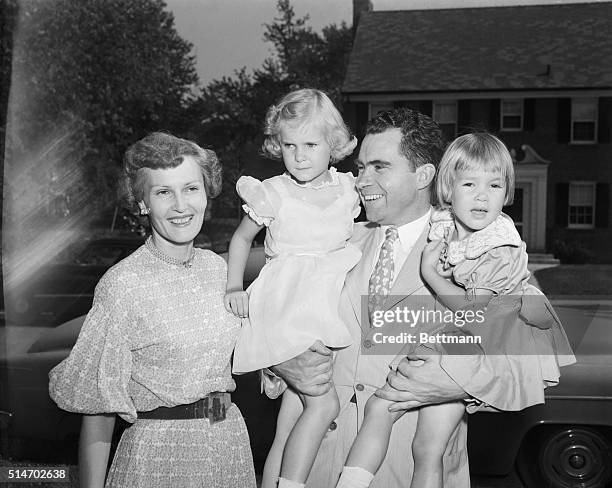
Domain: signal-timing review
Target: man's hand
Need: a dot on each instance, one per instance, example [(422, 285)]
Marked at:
[(309, 373), (418, 381)]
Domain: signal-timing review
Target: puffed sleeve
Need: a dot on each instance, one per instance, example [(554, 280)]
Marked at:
[(499, 270), (348, 184), (94, 378), (258, 204)]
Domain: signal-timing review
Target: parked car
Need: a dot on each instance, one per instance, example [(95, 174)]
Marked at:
[(566, 442), (63, 289)]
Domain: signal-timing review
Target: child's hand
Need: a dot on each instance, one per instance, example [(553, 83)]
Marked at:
[(431, 256), (237, 302)]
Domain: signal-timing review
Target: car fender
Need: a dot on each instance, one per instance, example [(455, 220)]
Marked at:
[(497, 456)]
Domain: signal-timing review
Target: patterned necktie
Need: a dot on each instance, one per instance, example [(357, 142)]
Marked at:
[(382, 276)]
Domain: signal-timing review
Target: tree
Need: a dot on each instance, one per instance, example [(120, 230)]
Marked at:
[(88, 78), (307, 58), (233, 108), (103, 71)]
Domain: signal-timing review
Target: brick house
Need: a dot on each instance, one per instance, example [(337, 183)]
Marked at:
[(540, 77)]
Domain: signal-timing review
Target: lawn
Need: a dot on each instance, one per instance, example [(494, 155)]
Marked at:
[(576, 279)]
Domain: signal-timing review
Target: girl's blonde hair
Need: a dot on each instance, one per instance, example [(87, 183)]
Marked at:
[(479, 150), (306, 106)]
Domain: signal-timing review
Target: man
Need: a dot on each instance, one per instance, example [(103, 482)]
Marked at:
[(397, 164)]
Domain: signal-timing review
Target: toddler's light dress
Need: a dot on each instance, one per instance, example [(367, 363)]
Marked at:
[(294, 300), (519, 319)]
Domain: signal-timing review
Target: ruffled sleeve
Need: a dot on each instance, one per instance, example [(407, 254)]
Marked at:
[(499, 270), (258, 205), (348, 183), (95, 377)]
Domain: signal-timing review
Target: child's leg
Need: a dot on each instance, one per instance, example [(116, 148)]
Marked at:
[(305, 438), (370, 446), (435, 425), (290, 411)]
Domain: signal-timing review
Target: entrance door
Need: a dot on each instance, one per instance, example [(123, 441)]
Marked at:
[(519, 210)]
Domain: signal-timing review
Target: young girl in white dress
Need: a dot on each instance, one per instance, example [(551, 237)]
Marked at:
[(308, 213), (475, 260)]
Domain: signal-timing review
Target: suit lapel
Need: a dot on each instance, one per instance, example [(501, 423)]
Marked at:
[(409, 278), (358, 279)]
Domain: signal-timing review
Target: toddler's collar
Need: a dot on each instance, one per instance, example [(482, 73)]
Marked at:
[(334, 180), (500, 232)]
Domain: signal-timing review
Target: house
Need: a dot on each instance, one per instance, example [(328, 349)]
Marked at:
[(540, 77)]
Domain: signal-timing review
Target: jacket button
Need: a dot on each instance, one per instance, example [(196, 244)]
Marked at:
[(333, 426), (359, 387)]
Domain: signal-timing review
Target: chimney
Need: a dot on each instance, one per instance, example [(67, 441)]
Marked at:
[(358, 7)]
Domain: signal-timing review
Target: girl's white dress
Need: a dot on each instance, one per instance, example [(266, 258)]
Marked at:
[(294, 301)]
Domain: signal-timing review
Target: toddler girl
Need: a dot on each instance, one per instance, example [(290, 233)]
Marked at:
[(475, 260), (308, 212)]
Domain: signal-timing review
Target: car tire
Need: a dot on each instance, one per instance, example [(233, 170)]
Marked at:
[(566, 457)]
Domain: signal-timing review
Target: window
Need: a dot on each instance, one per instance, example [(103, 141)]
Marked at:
[(581, 213), (445, 114), (584, 120), (376, 107), (512, 115)]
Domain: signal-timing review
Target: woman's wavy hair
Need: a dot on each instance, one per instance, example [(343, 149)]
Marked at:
[(307, 106), (160, 150), (479, 150)]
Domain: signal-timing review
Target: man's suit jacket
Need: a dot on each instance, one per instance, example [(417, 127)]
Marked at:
[(358, 375)]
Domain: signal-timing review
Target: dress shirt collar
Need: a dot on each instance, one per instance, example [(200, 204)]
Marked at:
[(410, 232)]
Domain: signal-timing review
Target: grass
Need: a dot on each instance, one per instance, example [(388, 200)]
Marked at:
[(576, 279)]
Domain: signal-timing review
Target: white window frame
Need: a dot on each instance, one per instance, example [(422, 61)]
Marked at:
[(576, 118), (575, 184), (375, 107), (436, 117), (520, 113)]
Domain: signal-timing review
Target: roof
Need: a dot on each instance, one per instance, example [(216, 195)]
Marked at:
[(494, 48)]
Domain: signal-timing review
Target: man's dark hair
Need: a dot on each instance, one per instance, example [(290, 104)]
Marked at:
[(422, 141)]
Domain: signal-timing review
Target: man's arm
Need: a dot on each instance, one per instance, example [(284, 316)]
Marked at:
[(418, 381), (310, 373)]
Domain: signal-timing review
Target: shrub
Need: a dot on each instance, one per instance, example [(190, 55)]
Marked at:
[(571, 252)]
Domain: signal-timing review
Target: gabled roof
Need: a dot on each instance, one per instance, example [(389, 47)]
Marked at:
[(495, 48)]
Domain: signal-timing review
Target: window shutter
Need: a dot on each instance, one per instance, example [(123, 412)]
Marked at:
[(494, 114), (604, 123), (564, 119), (411, 104), (426, 107), (562, 199), (463, 117), (362, 111), (602, 205), (529, 114)]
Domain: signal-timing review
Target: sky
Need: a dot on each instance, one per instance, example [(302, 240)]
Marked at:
[(228, 34)]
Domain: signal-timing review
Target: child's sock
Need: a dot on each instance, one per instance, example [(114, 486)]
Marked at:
[(284, 483), (354, 477)]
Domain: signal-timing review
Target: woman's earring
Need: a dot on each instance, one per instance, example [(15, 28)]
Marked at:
[(143, 208)]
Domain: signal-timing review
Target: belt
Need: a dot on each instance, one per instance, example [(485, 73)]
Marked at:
[(212, 407)]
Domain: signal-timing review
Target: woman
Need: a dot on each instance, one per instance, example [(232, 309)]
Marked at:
[(155, 347)]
